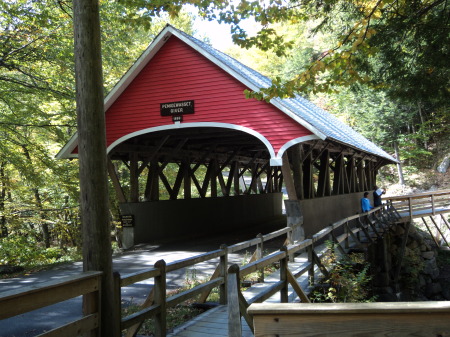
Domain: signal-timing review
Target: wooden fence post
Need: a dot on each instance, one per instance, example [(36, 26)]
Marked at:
[(310, 250), (284, 275), (160, 299), (234, 314), (117, 301), (91, 305), (223, 273), (260, 254)]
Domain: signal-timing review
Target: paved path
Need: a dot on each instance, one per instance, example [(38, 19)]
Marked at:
[(144, 256)]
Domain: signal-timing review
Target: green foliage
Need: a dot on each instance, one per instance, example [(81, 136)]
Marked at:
[(26, 251), (179, 314), (39, 194), (349, 280)]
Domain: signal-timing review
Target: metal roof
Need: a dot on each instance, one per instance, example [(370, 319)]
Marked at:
[(323, 122)]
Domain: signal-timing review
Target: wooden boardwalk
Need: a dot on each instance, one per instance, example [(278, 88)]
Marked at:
[(214, 322)]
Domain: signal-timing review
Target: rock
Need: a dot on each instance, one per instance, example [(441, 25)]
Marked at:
[(387, 298), (381, 279), (413, 244), (431, 268), (432, 289), (399, 230), (446, 292), (443, 166), (422, 281), (428, 255)]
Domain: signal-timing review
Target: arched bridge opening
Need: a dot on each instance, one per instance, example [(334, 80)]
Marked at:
[(182, 182)]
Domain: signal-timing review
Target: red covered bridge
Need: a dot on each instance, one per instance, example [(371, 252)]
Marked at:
[(189, 154)]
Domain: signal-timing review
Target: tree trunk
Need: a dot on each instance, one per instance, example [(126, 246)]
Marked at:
[(401, 180), (92, 157), (3, 227), (37, 197)]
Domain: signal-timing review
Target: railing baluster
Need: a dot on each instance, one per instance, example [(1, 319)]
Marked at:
[(283, 276), (223, 273), (234, 314), (160, 299)]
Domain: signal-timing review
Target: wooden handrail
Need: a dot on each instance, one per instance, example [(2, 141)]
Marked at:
[(25, 299), (355, 319), (380, 215), (420, 204)]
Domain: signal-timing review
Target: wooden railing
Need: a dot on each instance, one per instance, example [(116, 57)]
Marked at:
[(361, 228), (156, 304), (25, 299), (415, 205), (351, 319), (426, 206)]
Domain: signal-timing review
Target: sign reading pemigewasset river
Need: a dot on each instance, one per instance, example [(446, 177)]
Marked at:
[(177, 108)]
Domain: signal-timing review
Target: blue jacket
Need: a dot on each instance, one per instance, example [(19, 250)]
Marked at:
[(365, 205)]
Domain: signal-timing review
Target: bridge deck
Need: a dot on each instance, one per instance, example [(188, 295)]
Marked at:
[(424, 212)]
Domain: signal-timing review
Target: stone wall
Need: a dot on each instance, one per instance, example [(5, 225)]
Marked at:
[(420, 277)]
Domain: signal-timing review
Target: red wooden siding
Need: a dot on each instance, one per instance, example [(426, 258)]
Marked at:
[(177, 73)]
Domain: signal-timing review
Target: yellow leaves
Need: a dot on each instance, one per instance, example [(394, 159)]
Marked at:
[(377, 14), (345, 54)]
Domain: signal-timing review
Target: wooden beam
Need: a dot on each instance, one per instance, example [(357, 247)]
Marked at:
[(116, 182), (134, 178), (288, 180), (153, 153), (187, 179), (297, 170), (324, 187)]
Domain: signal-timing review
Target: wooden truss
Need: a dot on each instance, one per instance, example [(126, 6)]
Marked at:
[(205, 165)]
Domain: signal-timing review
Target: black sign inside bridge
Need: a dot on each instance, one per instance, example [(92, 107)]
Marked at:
[(177, 108)]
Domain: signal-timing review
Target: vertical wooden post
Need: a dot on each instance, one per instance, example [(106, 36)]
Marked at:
[(187, 179), (284, 298), (259, 253), (223, 273), (297, 170), (288, 180), (160, 299), (154, 181), (308, 183), (234, 313), (236, 184), (310, 249), (323, 188), (117, 300), (214, 171), (134, 180), (410, 209), (92, 305), (337, 181)]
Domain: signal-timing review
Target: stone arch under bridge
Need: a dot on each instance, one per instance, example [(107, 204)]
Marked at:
[(188, 154)]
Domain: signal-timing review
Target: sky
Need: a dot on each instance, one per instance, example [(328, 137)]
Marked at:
[(219, 34)]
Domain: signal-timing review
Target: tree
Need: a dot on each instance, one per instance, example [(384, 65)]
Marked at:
[(97, 254)]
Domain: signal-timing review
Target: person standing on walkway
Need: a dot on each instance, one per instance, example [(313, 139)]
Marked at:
[(377, 196), (365, 203)]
